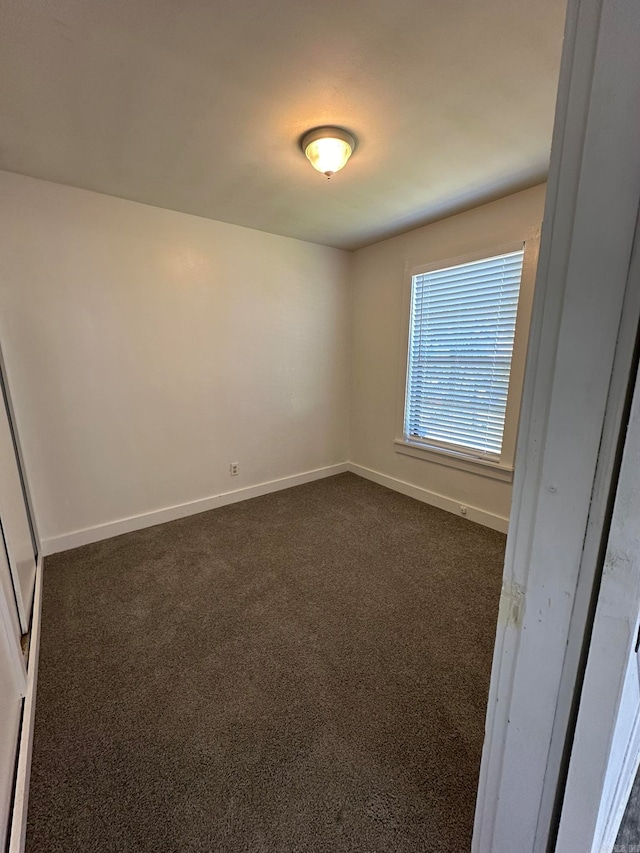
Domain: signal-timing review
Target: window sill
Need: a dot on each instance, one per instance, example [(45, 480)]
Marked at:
[(484, 468)]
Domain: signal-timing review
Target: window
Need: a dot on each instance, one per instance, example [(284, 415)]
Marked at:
[(461, 338)]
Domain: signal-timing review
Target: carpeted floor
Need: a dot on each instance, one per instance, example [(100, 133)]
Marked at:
[(628, 840), (306, 671)]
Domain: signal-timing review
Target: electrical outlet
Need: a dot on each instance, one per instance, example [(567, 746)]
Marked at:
[(463, 510), (233, 469)]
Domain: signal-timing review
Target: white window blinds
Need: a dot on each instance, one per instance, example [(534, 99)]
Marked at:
[(463, 321)]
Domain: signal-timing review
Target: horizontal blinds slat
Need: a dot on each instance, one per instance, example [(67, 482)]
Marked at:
[(478, 438), (465, 411), (491, 432), (471, 272), (467, 424), (462, 332), (432, 402), (484, 303), (446, 360), (448, 371), (457, 289), (479, 445), (504, 304), (462, 296), (498, 281), (484, 317), (443, 368), (485, 386)]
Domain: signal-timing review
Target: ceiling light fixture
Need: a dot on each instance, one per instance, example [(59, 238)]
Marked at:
[(328, 148)]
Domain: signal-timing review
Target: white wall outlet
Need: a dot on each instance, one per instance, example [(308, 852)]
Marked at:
[(463, 510), (233, 469)]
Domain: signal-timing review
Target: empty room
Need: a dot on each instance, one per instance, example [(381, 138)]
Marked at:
[(275, 304)]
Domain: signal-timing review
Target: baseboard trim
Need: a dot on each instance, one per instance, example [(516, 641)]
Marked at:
[(77, 538), (25, 747), (66, 541), (481, 516)]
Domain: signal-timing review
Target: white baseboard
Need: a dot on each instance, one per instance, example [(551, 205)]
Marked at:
[(481, 516), (55, 544), (23, 773), (86, 536)]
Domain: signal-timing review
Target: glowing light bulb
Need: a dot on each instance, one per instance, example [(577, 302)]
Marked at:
[(328, 149)]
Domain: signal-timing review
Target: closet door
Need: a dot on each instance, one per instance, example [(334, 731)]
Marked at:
[(10, 707), (14, 520), (12, 690)]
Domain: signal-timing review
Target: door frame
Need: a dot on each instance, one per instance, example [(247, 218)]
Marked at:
[(564, 460), (610, 668)]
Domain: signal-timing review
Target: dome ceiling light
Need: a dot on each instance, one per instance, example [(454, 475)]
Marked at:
[(328, 148)]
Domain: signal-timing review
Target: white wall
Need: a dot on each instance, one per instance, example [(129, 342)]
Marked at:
[(146, 349), (378, 318)]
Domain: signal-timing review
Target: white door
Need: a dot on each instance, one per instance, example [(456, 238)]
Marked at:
[(606, 747), (14, 520), (12, 690)]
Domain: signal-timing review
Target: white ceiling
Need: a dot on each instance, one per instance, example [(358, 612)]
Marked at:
[(199, 105)]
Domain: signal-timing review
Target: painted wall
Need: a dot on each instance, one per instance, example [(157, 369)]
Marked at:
[(147, 349), (378, 320)]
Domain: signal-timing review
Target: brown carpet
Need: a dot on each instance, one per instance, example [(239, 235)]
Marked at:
[(628, 840), (306, 671)]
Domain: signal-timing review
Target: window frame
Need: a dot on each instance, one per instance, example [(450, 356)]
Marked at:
[(498, 469)]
